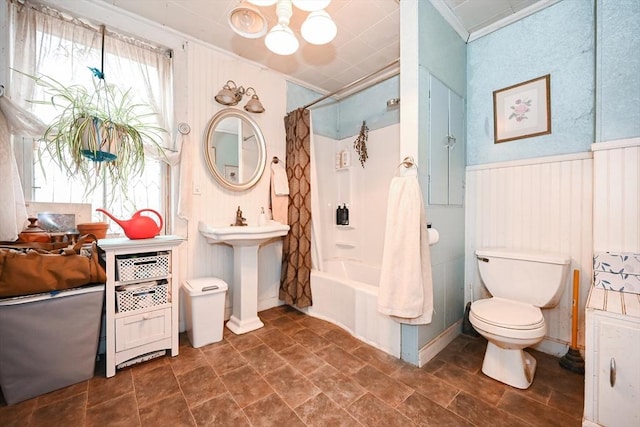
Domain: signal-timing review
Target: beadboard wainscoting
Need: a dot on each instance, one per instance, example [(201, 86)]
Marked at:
[(542, 204), (616, 191), (208, 70)]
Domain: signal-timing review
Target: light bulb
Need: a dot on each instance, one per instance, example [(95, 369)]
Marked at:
[(281, 40), (311, 5), (247, 22), (319, 28)]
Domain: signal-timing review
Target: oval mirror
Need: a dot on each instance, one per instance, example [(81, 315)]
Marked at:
[(234, 149)]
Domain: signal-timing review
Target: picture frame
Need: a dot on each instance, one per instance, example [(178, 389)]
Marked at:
[(522, 110), (231, 173)]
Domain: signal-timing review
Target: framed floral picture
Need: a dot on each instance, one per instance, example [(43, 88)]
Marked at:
[(522, 110)]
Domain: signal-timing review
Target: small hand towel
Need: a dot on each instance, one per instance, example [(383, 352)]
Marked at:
[(279, 180), (279, 193), (406, 289)]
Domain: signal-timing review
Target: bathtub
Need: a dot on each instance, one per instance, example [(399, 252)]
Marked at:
[(346, 294)]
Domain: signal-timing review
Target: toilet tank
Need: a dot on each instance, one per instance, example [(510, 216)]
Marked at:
[(533, 277)]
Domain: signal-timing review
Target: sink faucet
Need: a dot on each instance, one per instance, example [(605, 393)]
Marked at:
[(240, 221)]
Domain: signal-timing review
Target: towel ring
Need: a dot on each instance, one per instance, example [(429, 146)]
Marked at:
[(408, 162)]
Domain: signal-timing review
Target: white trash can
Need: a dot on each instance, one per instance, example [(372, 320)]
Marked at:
[(204, 300)]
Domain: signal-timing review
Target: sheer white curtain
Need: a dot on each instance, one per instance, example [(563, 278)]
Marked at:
[(13, 213), (48, 43)]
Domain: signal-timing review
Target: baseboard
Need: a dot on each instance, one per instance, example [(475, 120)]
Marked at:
[(436, 345), (267, 303), (554, 347)]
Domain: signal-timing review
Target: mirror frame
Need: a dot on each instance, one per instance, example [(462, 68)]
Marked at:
[(262, 149)]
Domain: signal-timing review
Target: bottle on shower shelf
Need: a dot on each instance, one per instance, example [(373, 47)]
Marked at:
[(345, 214), (339, 215)]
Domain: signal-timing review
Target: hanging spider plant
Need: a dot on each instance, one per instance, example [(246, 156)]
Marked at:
[(98, 128)]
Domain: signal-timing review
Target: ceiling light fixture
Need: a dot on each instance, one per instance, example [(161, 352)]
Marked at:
[(317, 29), (230, 94), (247, 21)]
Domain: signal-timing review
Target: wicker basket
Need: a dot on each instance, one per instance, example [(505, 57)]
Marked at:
[(142, 295), (142, 267)]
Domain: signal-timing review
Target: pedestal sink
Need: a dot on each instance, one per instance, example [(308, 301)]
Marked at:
[(245, 242)]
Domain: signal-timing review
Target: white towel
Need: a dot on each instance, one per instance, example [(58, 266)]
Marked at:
[(406, 288), (279, 180), (279, 193)]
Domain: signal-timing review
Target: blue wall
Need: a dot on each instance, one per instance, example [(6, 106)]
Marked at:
[(342, 119), (442, 52), (325, 114), (559, 40), (618, 69), (370, 105)]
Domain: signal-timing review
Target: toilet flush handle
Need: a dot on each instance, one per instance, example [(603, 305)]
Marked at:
[(483, 259)]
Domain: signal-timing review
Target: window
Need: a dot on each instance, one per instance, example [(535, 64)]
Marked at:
[(46, 42)]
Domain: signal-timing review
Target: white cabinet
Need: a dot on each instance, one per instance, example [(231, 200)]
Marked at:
[(612, 360), (146, 322), (136, 330), (446, 145)]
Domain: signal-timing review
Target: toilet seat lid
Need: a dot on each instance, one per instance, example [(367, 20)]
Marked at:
[(507, 314)]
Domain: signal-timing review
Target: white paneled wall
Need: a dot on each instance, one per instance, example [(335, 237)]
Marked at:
[(542, 204), (616, 189), (208, 70)]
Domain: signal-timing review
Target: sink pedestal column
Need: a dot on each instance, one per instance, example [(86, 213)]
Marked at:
[(245, 242), (245, 290)]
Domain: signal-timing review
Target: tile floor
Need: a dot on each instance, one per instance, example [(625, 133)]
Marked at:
[(301, 371)]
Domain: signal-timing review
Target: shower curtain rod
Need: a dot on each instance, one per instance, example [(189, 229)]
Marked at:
[(361, 79)]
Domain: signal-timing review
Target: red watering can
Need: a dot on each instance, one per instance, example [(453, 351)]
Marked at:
[(139, 226)]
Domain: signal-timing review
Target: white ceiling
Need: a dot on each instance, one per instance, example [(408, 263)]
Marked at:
[(368, 32)]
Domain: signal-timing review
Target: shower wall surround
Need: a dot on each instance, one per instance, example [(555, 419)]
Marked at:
[(364, 190)]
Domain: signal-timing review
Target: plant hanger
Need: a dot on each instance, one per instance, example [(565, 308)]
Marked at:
[(94, 152)]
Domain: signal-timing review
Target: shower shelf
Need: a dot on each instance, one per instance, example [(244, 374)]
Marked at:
[(345, 244), (345, 227)]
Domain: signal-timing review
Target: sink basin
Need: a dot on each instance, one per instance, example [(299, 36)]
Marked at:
[(245, 241), (250, 235)]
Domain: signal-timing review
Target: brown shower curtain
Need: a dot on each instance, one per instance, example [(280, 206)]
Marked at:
[(295, 280)]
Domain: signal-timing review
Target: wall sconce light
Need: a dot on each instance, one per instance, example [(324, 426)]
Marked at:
[(230, 94)]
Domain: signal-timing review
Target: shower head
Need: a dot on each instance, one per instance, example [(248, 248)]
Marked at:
[(393, 102)]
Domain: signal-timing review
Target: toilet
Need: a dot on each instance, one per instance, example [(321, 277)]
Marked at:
[(520, 282)]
